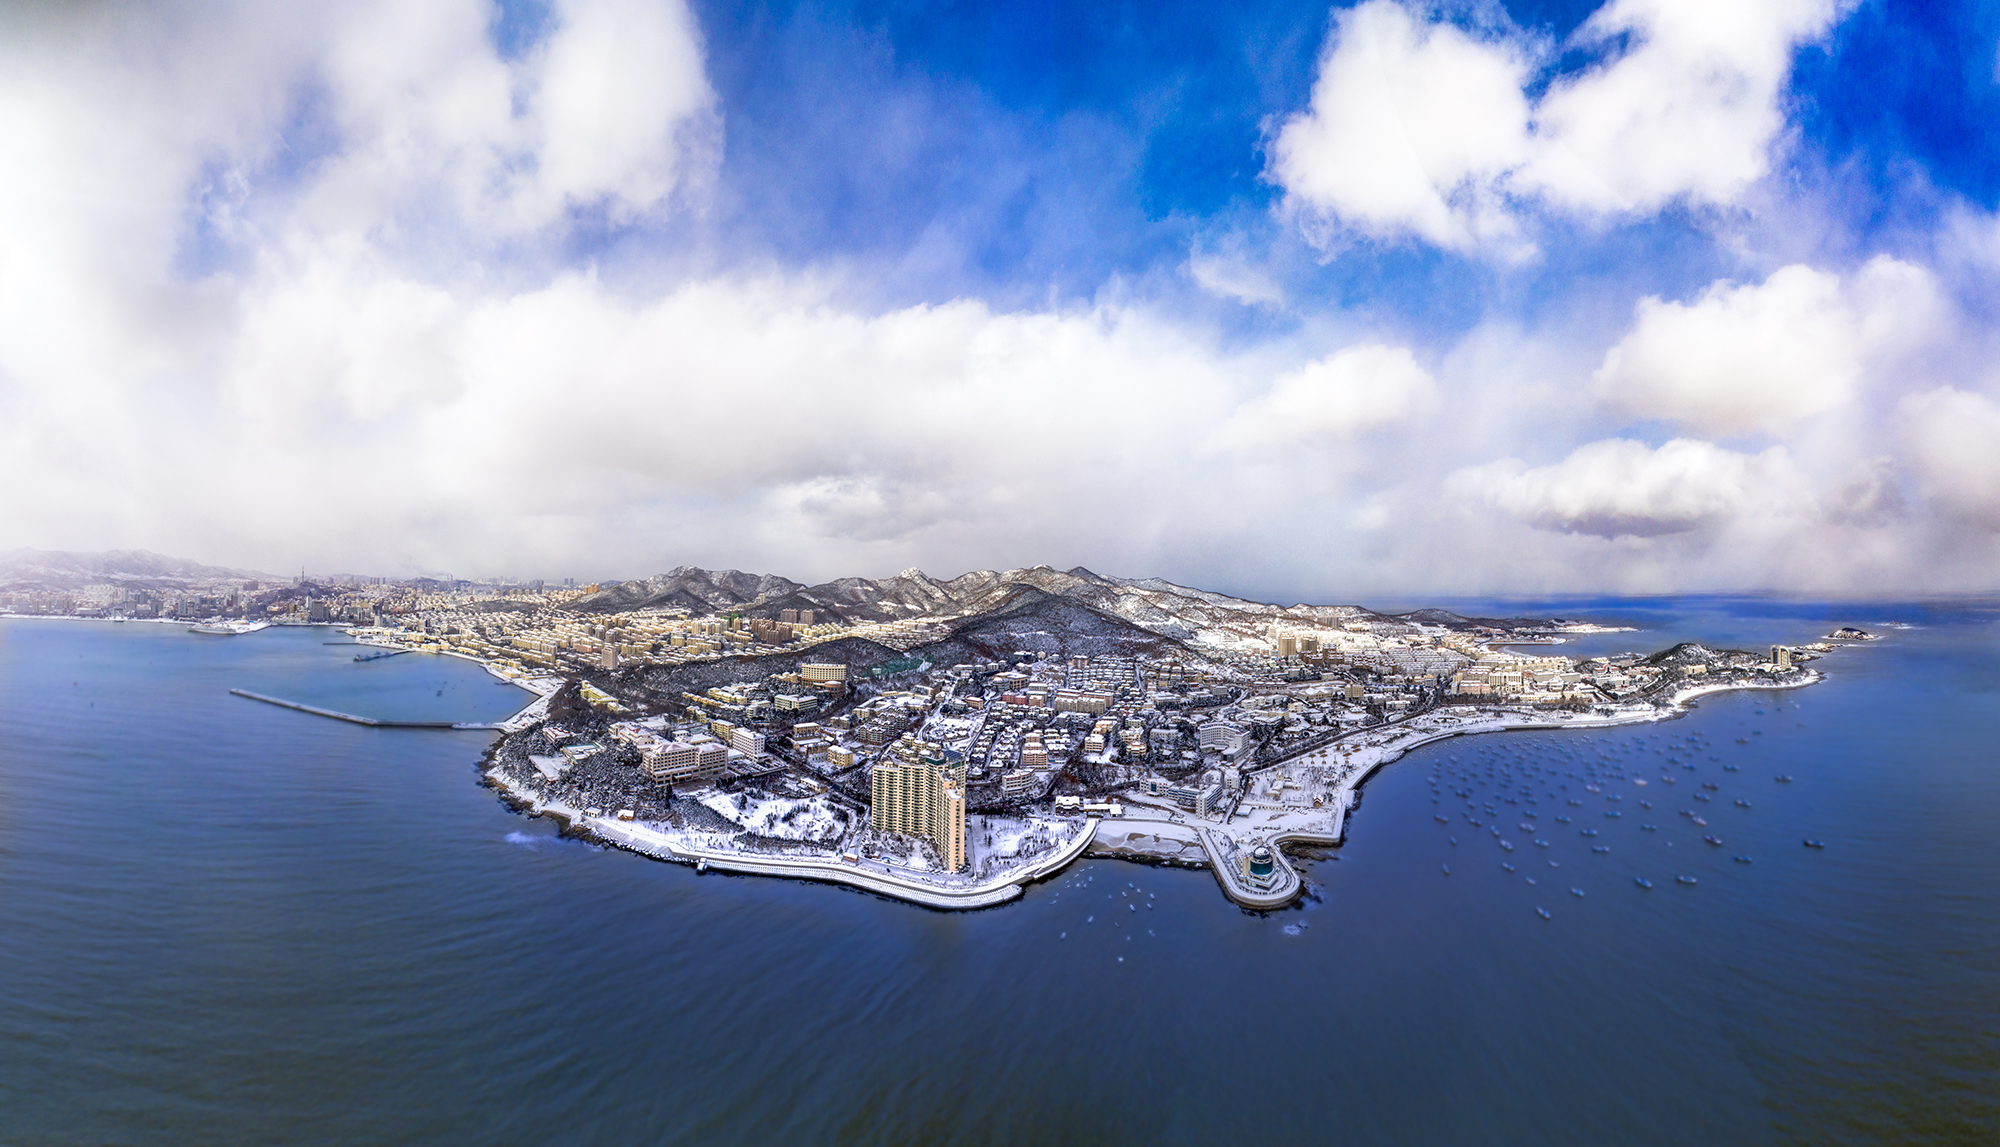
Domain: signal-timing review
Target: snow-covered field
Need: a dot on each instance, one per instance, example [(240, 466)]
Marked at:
[(787, 819), (1015, 836)]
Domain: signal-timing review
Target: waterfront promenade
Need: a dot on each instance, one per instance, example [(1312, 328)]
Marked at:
[(869, 875)]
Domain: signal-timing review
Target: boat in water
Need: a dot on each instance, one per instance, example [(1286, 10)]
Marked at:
[(1543, 912), (228, 628), (1815, 844), (1642, 882), (1685, 880)]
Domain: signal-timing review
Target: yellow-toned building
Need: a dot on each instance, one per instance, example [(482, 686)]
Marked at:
[(923, 800)]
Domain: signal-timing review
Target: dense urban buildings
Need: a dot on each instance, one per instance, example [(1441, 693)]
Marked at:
[(950, 739)]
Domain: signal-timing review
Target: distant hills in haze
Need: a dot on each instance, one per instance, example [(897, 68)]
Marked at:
[(57, 570), (1149, 605), (1159, 606), (1131, 610)]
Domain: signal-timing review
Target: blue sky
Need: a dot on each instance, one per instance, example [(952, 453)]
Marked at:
[(1293, 299), (1124, 131)]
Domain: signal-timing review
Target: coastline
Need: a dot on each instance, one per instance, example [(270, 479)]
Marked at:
[(1175, 839), (636, 837), (1366, 754), (1349, 792)]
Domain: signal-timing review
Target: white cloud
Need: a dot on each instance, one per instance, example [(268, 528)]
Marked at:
[(1762, 357), (1951, 440), (1621, 488), (616, 91), (1228, 270), (1408, 129), (1350, 392), (1691, 109), (287, 285), (1425, 130), (613, 110)]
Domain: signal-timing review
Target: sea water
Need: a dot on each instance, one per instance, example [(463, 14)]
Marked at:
[(225, 922)]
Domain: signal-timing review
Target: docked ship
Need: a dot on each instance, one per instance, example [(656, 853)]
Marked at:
[(227, 628)]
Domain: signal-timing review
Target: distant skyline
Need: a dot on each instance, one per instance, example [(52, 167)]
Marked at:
[(1303, 302)]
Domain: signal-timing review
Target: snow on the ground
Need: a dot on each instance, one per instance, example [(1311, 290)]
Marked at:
[(787, 819), (1017, 836)]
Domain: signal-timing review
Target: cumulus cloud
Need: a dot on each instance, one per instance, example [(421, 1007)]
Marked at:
[(1409, 129), (1622, 488), (609, 111), (733, 419), (1689, 110), (241, 226), (1422, 128), (1949, 437), (303, 285), (1761, 357), (1345, 394), (1229, 271)]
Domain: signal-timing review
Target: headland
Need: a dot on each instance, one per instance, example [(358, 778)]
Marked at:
[(949, 748)]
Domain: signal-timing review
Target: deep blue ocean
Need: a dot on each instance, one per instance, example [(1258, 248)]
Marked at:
[(222, 922)]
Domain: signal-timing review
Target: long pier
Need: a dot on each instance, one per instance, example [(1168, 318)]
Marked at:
[(371, 722)]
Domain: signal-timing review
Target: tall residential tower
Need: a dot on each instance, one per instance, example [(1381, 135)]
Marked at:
[(923, 800)]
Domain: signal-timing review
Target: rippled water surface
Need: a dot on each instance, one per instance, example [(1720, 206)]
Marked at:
[(230, 923)]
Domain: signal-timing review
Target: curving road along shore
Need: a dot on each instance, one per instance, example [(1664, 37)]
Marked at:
[(1288, 882), (1327, 829), (1285, 886), (871, 876)]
